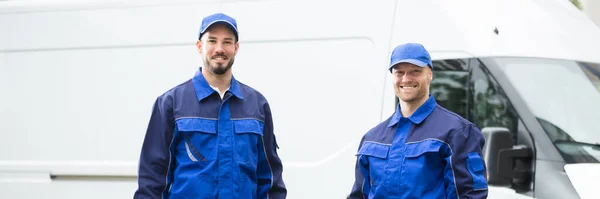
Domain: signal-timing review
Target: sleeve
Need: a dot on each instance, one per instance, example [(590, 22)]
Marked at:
[(362, 185), (466, 175), (269, 168), (154, 157)]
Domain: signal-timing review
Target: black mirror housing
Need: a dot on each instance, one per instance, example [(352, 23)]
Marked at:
[(506, 162), (496, 139), (501, 157)]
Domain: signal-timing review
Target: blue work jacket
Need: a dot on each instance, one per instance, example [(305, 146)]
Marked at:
[(198, 145), (434, 153)]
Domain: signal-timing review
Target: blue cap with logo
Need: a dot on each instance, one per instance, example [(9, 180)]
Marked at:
[(410, 53), (218, 18)]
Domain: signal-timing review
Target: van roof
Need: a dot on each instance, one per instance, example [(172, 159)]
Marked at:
[(473, 28)]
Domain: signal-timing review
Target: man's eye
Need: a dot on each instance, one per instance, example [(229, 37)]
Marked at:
[(212, 41)]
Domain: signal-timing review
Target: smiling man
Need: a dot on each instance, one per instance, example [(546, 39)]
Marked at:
[(423, 150), (211, 136)]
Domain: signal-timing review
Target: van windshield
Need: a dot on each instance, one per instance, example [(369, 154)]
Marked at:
[(565, 97)]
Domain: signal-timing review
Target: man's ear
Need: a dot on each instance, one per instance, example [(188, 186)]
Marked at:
[(237, 46), (430, 75), (199, 46)]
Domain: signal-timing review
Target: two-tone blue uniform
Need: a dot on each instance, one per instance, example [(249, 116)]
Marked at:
[(201, 146), (434, 153)]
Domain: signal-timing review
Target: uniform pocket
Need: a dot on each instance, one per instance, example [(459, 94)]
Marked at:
[(197, 139), (416, 150), (476, 169), (423, 164), (247, 134), (377, 156), (374, 149)]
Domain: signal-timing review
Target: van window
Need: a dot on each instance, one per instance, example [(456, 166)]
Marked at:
[(469, 90), (564, 97), (491, 106), (450, 85), (592, 72)]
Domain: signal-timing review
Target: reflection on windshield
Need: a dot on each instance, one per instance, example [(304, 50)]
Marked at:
[(565, 97), (571, 152), (593, 73)]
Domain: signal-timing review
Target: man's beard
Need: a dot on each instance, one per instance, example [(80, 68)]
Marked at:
[(219, 69)]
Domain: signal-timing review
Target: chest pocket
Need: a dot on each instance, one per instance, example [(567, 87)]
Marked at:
[(377, 157), (424, 163), (196, 140), (248, 132)]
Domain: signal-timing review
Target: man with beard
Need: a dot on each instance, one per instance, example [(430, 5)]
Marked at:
[(212, 136), (423, 150)]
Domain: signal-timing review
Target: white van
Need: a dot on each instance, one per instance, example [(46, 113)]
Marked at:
[(78, 80)]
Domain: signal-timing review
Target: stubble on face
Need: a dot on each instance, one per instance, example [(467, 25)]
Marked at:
[(219, 46), (415, 87), (413, 94), (218, 68)]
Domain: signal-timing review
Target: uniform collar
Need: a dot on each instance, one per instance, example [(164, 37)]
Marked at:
[(203, 89), (419, 115)]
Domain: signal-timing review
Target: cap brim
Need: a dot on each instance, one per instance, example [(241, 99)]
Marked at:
[(412, 61)]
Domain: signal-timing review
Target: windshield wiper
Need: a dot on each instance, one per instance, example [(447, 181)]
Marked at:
[(593, 145)]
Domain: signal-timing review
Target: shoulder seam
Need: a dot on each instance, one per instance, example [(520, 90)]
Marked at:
[(175, 87), (460, 118)]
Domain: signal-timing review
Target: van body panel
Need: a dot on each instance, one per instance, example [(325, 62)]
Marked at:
[(551, 176), (90, 79), (538, 28), (504, 193), (583, 177)]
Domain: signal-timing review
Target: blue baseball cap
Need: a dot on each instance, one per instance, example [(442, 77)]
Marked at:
[(218, 18), (410, 53)]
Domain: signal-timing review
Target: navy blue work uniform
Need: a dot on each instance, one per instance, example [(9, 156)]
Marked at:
[(434, 153), (201, 146)]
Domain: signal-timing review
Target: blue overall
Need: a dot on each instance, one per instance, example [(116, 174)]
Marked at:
[(434, 153), (201, 146)]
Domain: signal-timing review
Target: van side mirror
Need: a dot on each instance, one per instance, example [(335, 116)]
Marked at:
[(507, 160), (501, 157)]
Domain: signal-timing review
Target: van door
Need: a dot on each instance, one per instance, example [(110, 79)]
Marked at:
[(467, 88)]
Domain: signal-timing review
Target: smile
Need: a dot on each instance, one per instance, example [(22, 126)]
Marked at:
[(408, 87), (219, 58)]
